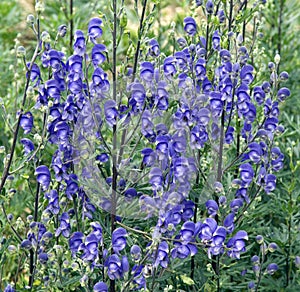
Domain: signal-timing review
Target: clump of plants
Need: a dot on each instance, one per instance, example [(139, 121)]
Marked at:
[(144, 169)]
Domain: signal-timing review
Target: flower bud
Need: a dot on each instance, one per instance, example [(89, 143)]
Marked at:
[(271, 66), (2, 149), (255, 259), (30, 92), (284, 76), (251, 286), (30, 19), (256, 269), (10, 217), (218, 187), (199, 3), (21, 52), (62, 30), (12, 248), (272, 268), (259, 239), (297, 261), (39, 6), (209, 7), (45, 37), (29, 218), (26, 244), (272, 247), (277, 59)]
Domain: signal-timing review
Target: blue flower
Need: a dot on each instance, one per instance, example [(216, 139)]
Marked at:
[(35, 74), (111, 112), (243, 194), (138, 96), (200, 69), (229, 222), (216, 104), (138, 272), (26, 122), (9, 288), (53, 89), (198, 138), (162, 96), (147, 126), (212, 235), (156, 178), (97, 54), (162, 255), (277, 159), (255, 152), (94, 29), (26, 244), (169, 66), (246, 174), (90, 248), (53, 205), (221, 16), (116, 267), (28, 145), (149, 157), (55, 60), (147, 71), (153, 48), (75, 241), (283, 93), (246, 74), (74, 67), (212, 207), (259, 94), (187, 231), (72, 185), (64, 227), (100, 287), (79, 44), (229, 135), (236, 204), (43, 258), (209, 7), (190, 26), (136, 252), (216, 39), (270, 183), (119, 239), (237, 244), (43, 176), (284, 76), (181, 250)]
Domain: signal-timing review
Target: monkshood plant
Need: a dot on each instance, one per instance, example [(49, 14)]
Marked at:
[(155, 164)]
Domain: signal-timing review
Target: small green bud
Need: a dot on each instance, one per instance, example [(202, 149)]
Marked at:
[(2, 149), (21, 52), (30, 92), (277, 59), (39, 6)]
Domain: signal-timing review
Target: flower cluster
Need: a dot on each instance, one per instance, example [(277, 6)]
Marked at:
[(174, 129)]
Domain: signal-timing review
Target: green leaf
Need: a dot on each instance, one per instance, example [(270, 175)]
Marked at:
[(187, 280)]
